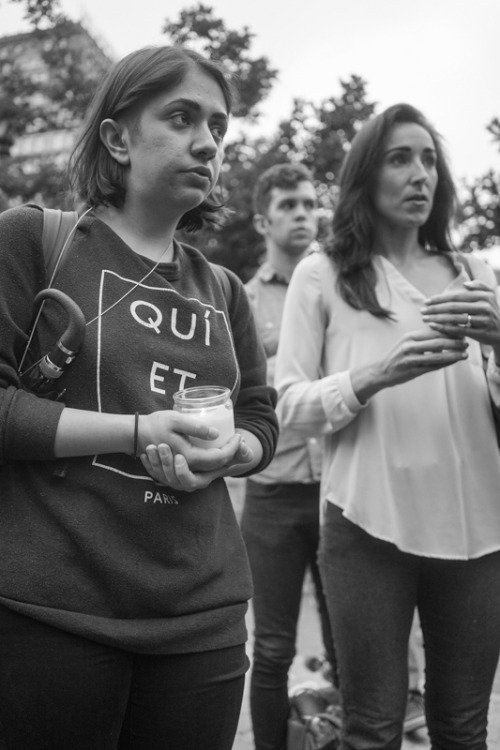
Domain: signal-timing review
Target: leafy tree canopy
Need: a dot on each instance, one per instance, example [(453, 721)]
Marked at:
[(50, 93), (480, 211), (198, 28), (494, 129), (40, 13)]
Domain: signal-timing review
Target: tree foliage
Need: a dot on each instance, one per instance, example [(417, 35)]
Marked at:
[(480, 213), (494, 129), (42, 181), (40, 13), (198, 28), (480, 210), (49, 94), (57, 98)]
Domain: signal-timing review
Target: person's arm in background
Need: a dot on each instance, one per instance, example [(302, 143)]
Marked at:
[(254, 414), (263, 316)]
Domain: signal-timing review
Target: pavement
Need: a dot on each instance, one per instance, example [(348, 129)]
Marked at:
[(309, 644)]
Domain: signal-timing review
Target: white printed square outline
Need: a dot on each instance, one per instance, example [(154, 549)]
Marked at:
[(104, 272)]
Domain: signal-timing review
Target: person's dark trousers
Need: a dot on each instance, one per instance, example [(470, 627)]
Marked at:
[(62, 692), (372, 589), (280, 525)]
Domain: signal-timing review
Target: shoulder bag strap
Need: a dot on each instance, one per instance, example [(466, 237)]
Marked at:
[(58, 230)]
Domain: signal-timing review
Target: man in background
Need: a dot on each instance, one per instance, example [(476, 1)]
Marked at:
[(280, 520)]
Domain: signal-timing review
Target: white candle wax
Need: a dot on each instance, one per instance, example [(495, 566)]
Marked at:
[(221, 417)]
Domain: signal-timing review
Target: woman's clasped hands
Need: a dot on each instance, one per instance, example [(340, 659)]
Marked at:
[(170, 457)]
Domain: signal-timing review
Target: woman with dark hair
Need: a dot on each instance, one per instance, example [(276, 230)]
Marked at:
[(124, 579), (382, 351)]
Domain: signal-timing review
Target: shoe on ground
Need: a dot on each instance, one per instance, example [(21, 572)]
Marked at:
[(415, 712)]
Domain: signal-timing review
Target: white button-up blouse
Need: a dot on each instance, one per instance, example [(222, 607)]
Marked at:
[(418, 465)]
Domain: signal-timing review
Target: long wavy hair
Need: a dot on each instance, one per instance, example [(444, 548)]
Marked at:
[(95, 177), (351, 246)]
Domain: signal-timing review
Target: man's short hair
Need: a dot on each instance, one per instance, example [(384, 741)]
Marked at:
[(283, 176)]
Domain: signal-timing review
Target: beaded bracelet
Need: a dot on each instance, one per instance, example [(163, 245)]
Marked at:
[(136, 435)]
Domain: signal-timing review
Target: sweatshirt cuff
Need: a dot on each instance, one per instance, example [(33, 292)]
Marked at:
[(21, 440)]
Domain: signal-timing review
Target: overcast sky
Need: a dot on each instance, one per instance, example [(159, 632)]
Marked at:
[(439, 55)]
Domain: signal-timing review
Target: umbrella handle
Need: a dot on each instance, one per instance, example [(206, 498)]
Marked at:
[(68, 345)]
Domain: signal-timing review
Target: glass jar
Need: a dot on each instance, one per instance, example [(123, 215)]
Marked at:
[(211, 404)]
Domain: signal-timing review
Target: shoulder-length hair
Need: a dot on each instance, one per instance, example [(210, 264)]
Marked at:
[(352, 245), (95, 177)]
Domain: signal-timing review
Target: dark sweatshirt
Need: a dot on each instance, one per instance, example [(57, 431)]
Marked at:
[(93, 545)]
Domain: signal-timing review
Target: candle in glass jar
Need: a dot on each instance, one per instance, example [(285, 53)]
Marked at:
[(210, 404), (220, 417)]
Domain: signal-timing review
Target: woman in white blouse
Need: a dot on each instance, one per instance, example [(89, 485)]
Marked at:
[(382, 349)]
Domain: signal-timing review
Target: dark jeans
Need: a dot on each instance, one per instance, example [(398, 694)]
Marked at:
[(62, 692), (280, 525), (372, 589)]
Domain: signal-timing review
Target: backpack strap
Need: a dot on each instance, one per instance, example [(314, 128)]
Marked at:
[(221, 274), (58, 230), (462, 257)]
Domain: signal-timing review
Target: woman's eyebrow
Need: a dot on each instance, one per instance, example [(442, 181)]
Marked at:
[(195, 106), (409, 149)]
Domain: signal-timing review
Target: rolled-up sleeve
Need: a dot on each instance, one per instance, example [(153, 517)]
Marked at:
[(309, 401)]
